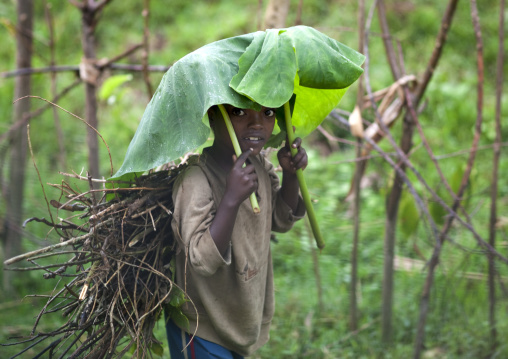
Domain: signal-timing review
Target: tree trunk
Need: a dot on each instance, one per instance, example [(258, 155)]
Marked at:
[(392, 210), (89, 12), (276, 14), (14, 211), (393, 200)]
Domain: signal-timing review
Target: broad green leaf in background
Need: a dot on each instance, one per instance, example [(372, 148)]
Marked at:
[(111, 84), (157, 349), (408, 214), (456, 180), (436, 210), (261, 68)]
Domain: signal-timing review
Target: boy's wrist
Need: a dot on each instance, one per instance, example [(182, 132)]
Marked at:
[(230, 203), (288, 175)]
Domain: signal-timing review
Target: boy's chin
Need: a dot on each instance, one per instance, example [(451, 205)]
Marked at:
[(255, 150)]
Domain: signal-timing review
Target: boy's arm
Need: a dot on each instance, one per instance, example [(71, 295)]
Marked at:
[(193, 214), (240, 183), (289, 187)]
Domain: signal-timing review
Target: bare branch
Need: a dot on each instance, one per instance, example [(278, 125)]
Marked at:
[(47, 249), (438, 48), (390, 52), (108, 62), (75, 68), (146, 47)]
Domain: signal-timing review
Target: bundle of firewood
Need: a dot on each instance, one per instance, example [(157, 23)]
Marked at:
[(112, 268)]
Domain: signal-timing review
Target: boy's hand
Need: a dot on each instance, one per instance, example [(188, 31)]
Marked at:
[(241, 181), (286, 160)]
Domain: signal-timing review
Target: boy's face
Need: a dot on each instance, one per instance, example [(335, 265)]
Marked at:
[(252, 128)]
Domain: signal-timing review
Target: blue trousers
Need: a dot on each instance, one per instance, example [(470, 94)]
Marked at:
[(196, 348)]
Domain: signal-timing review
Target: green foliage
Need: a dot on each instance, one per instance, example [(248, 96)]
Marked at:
[(409, 215), (157, 349), (301, 329), (111, 85), (173, 309)]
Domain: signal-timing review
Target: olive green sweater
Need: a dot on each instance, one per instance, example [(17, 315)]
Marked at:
[(232, 297)]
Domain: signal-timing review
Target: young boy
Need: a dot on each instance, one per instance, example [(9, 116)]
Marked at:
[(224, 262)]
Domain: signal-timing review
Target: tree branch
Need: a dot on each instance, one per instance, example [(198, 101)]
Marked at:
[(101, 65), (438, 48), (390, 52), (75, 68)]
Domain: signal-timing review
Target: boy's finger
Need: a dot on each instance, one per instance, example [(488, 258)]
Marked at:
[(300, 154), (248, 169), (297, 142), (301, 162), (243, 157)]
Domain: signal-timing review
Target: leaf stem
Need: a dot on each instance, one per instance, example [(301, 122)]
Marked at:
[(301, 180), (238, 152)]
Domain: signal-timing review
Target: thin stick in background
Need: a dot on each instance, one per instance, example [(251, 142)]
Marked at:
[(495, 180), (146, 47), (434, 261), (353, 304)]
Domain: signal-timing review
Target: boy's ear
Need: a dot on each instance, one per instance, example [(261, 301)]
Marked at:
[(213, 112), (211, 116)]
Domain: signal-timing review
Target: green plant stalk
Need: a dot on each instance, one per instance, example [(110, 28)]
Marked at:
[(301, 180), (238, 152)]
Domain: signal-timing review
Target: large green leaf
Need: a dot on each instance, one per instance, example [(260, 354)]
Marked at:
[(299, 60), (269, 66), (261, 68), (172, 123)]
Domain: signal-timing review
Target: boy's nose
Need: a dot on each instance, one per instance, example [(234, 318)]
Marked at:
[(256, 120)]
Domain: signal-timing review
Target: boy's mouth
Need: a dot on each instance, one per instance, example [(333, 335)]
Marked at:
[(254, 142)]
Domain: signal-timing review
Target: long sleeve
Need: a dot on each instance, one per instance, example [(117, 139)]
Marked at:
[(194, 211)]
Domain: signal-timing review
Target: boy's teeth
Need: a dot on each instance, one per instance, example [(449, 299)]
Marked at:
[(253, 138)]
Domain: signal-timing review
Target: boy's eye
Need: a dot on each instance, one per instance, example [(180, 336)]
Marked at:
[(237, 111), (269, 113)]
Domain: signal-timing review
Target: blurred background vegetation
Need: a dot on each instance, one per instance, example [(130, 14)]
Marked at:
[(304, 327)]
